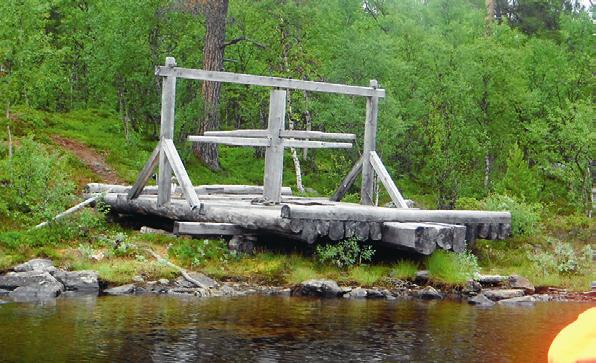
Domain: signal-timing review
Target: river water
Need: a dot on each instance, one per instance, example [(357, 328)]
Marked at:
[(276, 329)]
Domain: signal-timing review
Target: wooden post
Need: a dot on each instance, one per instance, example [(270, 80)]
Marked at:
[(168, 100), (370, 136), (274, 156)]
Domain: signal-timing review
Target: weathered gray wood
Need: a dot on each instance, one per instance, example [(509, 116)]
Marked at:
[(239, 190), (504, 230), (494, 231), (188, 191), (230, 140), (209, 229), (370, 137), (274, 157), (309, 231), (322, 227), (347, 182), (375, 231), (145, 174), (70, 211), (349, 228), (346, 212), (296, 225), (361, 230), (483, 230), (277, 82), (299, 134), (471, 234), (381, 171), (316, 144), (443, 234), (336, 230), (458, 236), (168, 103), (412, 236), (238, 133)]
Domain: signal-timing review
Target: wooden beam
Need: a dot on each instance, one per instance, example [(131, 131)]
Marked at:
[(381, 171), (347, 182), (228, 140), (168, 103), (145, 174), (299, 134), (209, 229), (370, 140), (199, 189), (379, 214), (274, 155), (316, 144), (238, 133), (276, 82), (183, 180)]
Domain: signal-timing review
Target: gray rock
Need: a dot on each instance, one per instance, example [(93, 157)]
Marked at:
[(489, 280), (204, 279), (163, 281), (4, 292), (3, 302), (520, 282), (522, 300), (242, 244), (46, 289), (12, 280), (138, 279), (319, 288), (374, 294), (502, 294), (428, 293), (36, 264), (422, 276), (84, 281), (471, 287), (127, 289), (358, 293), (481, 300)]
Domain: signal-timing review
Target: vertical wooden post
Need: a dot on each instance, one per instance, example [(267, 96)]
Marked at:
[(370, 136), (168, 101), (274, 156)]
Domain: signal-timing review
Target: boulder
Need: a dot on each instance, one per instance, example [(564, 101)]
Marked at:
[(522, 300), (490, 280), (480, 300), (4, 292), (502, 294), (357, 293), (12, 280), (204, 279), (36, 264), (84, 281), (472, 287), (163, 281), (46, 289), (318, 288), (428, 293), (374, 294), (520, 282), (127, 289)]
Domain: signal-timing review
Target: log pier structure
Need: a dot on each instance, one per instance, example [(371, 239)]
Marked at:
[(271, 209)]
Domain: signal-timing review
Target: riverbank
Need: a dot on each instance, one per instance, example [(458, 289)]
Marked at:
[(40, 280)]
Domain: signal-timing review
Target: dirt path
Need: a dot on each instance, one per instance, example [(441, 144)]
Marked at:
[(94, 160)]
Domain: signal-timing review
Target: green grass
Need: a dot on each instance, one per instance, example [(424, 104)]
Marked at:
[(404, 270), (367, 276), (450, 268)]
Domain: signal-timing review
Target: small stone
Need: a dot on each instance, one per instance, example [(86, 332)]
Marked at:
[(520, 282), (490, 280), (98, 256), (4, 292), (374, 294), (471, 287), (422, 277), (522, 300), (127, 289), (319, 288), (242, 244), (164, 281), (498, 294), (138, 279), (36, 264), (358, 293), (203, 279), (428, 293), (230, 291), (85, 280), (480, 300)]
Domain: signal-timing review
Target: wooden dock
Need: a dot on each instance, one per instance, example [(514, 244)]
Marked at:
[(271, 209)]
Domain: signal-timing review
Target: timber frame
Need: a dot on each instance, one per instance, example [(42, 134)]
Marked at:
[(275, 138)]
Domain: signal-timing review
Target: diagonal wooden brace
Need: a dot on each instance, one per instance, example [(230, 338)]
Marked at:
[(381, 171), (174, 160), (145, 174)]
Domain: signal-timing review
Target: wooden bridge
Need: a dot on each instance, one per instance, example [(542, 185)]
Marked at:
[(213, 210)]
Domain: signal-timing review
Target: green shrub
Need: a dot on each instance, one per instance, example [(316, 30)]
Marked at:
[(468, 203), (524, 216), (519, 180), (34, 185), (347, 252), (197, 252), (563, 259), (404, 269), (454, 268)]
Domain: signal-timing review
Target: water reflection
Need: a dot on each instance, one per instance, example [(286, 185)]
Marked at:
[(274, 329)]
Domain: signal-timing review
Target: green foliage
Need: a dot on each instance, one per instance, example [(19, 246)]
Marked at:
[(562, 258), (197, 252), (519, 180), (454, 268), (404, 269), (34, 185), (524, 216), (345, 253)]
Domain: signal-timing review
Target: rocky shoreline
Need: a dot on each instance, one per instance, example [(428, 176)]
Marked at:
[(39, 279)]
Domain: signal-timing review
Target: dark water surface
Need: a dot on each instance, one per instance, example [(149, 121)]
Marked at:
[(276, 329)]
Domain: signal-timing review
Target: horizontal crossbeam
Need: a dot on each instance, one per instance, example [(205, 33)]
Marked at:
[(228, 140), (266, 81), (295, 134), (307, 144)]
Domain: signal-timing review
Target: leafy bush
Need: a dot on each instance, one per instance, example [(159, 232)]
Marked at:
[(519, 180), (455, 268), (345, 253), (524, 216), (562, 259), (34, 184), (197, 252)]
